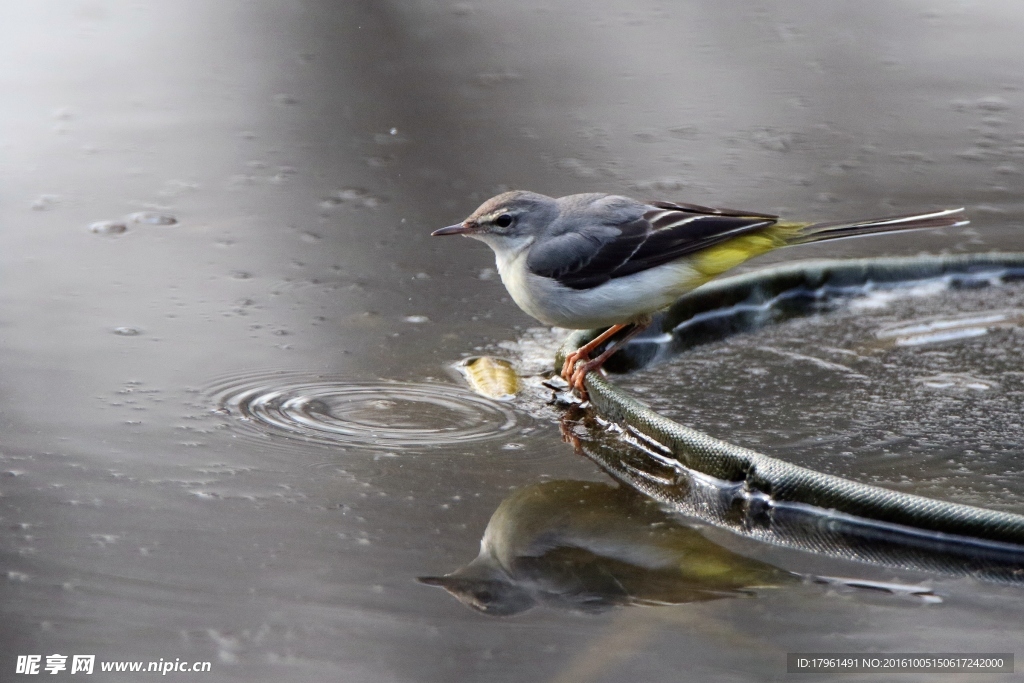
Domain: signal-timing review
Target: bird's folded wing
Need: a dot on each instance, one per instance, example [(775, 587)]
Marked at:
[(592, 255), (711, 211)]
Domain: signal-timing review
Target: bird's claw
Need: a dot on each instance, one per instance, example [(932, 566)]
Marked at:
[(578, 379), (574, 373), (569, 366)]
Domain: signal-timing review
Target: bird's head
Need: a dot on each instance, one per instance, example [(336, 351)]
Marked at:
[(508, 221), (485, 586), (494, 598)]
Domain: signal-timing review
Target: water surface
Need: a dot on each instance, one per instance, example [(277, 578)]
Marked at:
[(305, 151)]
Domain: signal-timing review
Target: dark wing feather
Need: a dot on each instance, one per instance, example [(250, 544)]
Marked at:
[(709, 211), (584, 258), (589, 257)]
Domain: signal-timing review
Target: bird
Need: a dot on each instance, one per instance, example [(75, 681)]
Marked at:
[(598, 260)]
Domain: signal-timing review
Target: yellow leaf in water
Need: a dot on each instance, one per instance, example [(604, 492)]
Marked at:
[(491, 377)]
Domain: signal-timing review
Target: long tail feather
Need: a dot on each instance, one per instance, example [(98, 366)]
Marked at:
[(816, 232)]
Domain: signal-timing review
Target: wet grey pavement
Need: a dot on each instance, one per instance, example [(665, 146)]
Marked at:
[(238, 438)]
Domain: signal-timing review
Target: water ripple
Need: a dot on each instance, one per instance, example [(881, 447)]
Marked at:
[(381, 415)]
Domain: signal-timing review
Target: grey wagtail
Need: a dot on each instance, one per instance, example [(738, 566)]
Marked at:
[(600, 260)]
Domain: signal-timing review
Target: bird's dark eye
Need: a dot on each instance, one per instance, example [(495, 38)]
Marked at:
[(503, 221)]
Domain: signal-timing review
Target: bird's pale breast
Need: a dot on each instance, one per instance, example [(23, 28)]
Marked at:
[(619, 300)]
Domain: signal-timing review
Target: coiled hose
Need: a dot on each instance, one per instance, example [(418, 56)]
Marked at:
[(768, 295)]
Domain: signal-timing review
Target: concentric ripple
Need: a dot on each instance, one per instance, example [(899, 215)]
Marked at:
[(381, 415)]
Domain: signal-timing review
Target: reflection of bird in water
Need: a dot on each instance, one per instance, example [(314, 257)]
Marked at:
[(589, 546)]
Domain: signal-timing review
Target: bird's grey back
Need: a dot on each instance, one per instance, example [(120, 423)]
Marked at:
[(595, 211), (586, 223)]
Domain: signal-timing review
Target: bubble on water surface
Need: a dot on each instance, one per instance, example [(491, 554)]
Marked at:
[(353, 196), (45, 202), (108, 227), (151, 218)]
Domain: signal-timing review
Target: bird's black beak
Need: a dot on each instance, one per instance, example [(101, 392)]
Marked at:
[(460, 229), (433, 580)]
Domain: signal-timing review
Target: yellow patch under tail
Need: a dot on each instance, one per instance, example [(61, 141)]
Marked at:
[(727, 255)]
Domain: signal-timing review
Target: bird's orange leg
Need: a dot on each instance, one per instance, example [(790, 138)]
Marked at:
[(580, 373), (583, 353)]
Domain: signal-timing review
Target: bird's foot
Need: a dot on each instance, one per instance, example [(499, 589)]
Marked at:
[(579, 376), (583, 353), (571, 359)]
